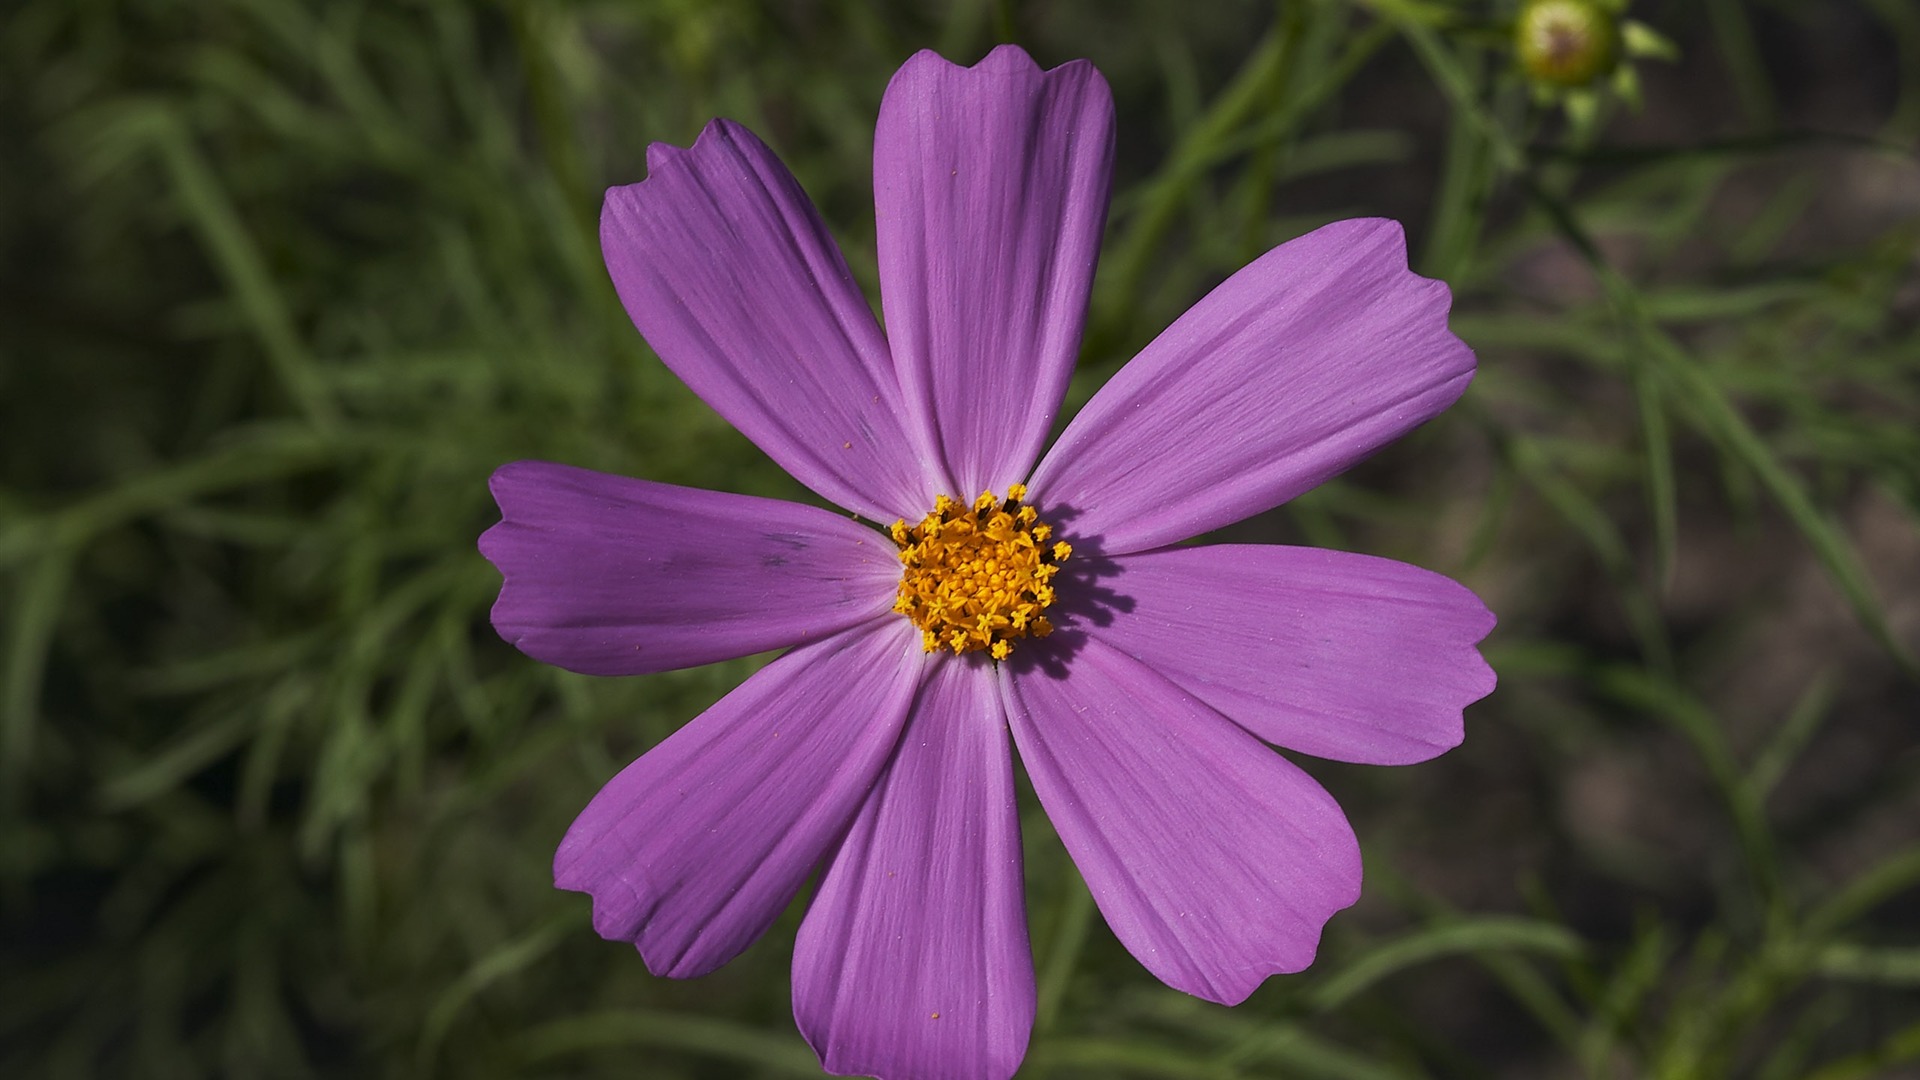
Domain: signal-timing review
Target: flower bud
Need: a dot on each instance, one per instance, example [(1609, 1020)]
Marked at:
[(1566, 42)]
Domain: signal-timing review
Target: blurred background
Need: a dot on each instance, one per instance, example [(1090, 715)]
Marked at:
[(285, 280)]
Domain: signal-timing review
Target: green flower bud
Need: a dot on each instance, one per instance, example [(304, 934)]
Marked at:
[(1566, 42)]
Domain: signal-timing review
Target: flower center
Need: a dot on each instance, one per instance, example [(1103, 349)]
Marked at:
[(977, 580)]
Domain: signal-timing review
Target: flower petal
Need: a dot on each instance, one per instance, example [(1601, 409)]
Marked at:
[(990, 192), (1215, 861), (727, 270), (913, 960), (1312, 357), (607, 575), (693, 850), (1329, 653)]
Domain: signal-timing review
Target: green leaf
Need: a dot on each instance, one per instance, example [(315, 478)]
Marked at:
[(1466, 937)]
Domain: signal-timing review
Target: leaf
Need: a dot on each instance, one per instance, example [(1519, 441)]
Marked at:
[(1466, 937)]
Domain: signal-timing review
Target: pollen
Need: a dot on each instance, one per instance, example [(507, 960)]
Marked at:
[(978, 578)]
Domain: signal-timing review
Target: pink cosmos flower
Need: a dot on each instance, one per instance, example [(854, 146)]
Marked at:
[(1044, 606)]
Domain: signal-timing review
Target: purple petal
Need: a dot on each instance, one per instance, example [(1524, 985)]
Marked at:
[(1329, 653), (1215, 861), (607, 575), (693, 850), (727, 270), (990, 192), (1314, 356), (913, 960)]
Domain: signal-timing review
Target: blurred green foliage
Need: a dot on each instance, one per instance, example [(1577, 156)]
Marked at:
[(285, 280)]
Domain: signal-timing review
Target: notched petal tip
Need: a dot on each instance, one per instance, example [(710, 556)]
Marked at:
[(501, 482), (665, 156), (1391, 236), (1004, 58), (614, 915), (1485, 680), (569, 876), (1000, 61), (490, 543), (661, 155), (1007, 56), (1480, 621), (1235, 987), (1000, 57), (1386, 234), (612, 925), (494, 541)]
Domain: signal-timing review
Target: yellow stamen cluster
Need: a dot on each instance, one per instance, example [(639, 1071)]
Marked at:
[(977, 580)]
